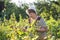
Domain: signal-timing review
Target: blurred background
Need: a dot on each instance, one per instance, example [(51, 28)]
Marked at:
[(13, 18)]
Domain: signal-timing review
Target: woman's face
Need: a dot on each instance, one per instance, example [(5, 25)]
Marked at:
[(32, 15)]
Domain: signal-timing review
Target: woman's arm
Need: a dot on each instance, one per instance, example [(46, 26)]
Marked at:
[(42, 29)]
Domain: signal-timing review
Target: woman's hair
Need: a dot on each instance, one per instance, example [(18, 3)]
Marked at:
[(31, 11)]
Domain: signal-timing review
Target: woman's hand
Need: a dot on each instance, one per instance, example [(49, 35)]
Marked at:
[(42, 29)]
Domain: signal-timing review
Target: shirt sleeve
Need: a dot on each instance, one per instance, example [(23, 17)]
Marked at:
[(42, 23)]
